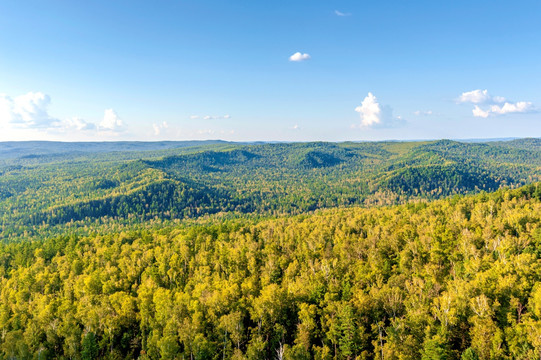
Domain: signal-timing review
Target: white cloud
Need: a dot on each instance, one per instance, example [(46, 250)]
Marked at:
[(423, 112), (6, 109), (27, 117), (159, 127), (493, 104), (509, 108), (111, 121), (478, 112), (299, 57), (296, 127), (475, 97), (79, 124), (210, 117), (375, 115), (27, 111), (339, 13), (370, 111), (480, 97)]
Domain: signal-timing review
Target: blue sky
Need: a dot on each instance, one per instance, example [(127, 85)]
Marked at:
[(176, 70)]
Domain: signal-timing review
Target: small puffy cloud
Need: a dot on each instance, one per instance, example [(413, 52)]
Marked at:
[(27, 111), (339, 13), (480, 97), (509, 108), (159, 127), (296, 127), (493, 104), (299, 57), (475, 97), (375, 115), (79, 124), (478, 112), (370, 111), (111, 121)]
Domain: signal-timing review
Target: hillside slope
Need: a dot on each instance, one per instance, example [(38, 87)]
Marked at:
[(42, 193), (439, 280)]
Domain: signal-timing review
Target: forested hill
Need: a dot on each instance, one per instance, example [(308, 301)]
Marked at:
[(43, 191), (458, 278)]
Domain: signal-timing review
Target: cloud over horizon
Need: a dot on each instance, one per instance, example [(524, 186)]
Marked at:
[(375, 115), (78, 124), (29, 114), (111, 121), (27, 111), (159, 127), (370, 110), (493, 104)]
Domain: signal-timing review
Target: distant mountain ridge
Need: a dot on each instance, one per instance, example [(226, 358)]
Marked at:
[(14, 149), (11, 149)]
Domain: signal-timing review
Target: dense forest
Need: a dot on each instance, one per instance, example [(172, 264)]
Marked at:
[(458, 278), (216, 250), (45, 186)]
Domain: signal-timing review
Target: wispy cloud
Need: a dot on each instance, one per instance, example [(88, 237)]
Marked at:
[(159, 127), (339, 13), (299, 57), (493, 105), (211, 117), (423, 112), (205, 132)]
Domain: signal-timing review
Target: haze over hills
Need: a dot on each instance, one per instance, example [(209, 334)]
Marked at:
[(20, 149), (17, 149)]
